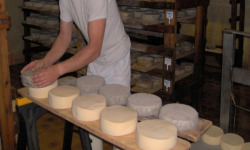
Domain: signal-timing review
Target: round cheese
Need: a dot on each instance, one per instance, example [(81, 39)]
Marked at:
[(145, 104), (146, 61), (231, 141), (41, 92), (212, 136), (118, 120), (61, 97), (68, 80), (246, 146), (156, 134), (144, 84), (184, 117), (115, 94), (26, 78), (88, 107), (90, 84)]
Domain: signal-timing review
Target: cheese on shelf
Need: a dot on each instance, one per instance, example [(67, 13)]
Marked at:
[(90, 84), (115, 94), (88, 107), (213, 135), (118, 120), (184, 117), (231, 141), (68, 80), (42, 92), (61, 97), (156, 134), (146, 61), (145, 104)]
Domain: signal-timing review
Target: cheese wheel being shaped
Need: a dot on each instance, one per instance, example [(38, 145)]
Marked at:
[(145, 104), (231, 141), (26, 78), (42, 92), (184, 117), (90, 84), (118, 120), (88, 107), (156, 134), (61, 97), (246, 146), (115, 94), (212, 136)]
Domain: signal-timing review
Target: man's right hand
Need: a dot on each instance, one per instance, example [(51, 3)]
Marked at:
[(36, 65)]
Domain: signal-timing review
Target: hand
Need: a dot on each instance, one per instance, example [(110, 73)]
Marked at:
[(46, 76), (35, 65)]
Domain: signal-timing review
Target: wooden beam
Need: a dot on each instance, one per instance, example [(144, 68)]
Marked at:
[(6, 113)]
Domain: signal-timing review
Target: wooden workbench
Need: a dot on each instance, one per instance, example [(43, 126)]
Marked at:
[(127, 142)]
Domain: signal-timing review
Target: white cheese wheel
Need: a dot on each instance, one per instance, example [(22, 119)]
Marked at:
[(145, 104), (42, 92), (61, 97), (90, 84), (88, 107), (231, 141), (156, 134), (212, 136), (118, 120), (115, 94), (184, 117), (246, 146)]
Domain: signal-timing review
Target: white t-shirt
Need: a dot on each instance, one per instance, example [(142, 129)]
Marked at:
[(116, 43)]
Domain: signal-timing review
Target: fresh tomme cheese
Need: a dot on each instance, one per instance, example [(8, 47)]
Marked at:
[(212, 136), (156, 134), (184, 117), (118, 120), (88, 107), (145, 104), (90, 84), (61, 97), (41, 92), (115, 94), (231, 141)]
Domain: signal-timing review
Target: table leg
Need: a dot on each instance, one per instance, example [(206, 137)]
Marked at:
[(86, 141), (68, 133)]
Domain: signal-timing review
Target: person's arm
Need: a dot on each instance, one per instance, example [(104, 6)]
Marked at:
[(86, 55)]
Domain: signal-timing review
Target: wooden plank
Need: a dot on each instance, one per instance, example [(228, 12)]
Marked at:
[(241, 76), (6, 113), (127, 142)]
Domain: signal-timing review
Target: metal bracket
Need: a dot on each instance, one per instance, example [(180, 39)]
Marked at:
[(5, 21)]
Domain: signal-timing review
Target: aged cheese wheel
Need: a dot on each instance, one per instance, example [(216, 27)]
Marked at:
[(144, 83), (68, 80), (213, 135), (88, 107), (26, 78), (246, 146), (90, 84), (41, 92), (118, 120), (145, 104), (61, 97), (156, 134), (231, 141), (115, 94), (145, 61), (184, 117)]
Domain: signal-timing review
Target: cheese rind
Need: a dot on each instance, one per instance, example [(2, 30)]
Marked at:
[(145, 104), (231, 141), (184, 117), (156, 134), (41, 92), (88, 107), (115, 94), (118, 120), (90, 84), (212, 136), (61, 97)]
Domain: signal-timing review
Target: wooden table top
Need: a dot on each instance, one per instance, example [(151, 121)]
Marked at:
[(127, 142)]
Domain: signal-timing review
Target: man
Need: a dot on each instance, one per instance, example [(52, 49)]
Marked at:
[(107, 53)]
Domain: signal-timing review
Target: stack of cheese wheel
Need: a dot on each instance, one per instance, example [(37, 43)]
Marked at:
[(90, 84), (118, 120), (156, 134), (115, 94), (212, 136), (145, 104), (88, 107), (231, 141), (61, 97), (184, 117)]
